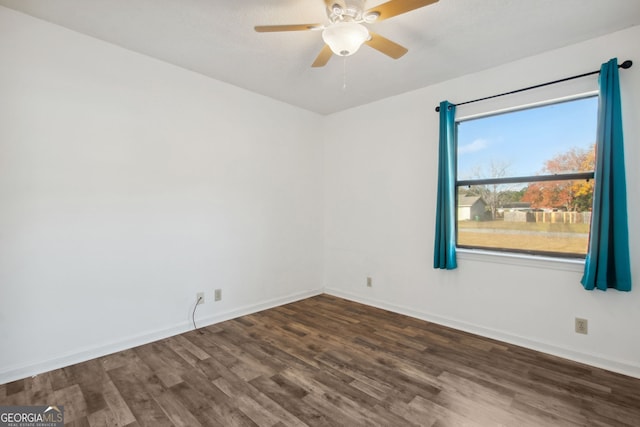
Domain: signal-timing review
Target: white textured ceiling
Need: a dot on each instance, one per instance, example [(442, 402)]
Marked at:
[(445, 40)]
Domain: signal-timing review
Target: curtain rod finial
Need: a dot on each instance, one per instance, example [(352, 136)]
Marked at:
[(626, 64), (438, 108)]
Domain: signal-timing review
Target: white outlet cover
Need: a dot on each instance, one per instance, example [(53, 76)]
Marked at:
[(582, 326)]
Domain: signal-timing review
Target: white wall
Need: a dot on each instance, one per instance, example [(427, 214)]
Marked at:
[(127, 185), (380, 191)]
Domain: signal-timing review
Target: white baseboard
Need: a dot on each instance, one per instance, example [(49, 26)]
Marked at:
[(17, 372), (566, 353)]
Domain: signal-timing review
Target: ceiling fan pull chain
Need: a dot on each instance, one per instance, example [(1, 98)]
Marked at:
[(344, 74)]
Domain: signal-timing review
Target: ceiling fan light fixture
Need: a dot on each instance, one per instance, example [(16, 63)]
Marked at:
[(345, 38)]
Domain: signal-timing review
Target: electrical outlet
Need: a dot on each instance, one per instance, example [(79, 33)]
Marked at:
[(217, 295), (200, 298), (582, 326), (369, 282)]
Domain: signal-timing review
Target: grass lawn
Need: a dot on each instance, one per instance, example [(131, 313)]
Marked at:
[(549, 237), (526, 226)]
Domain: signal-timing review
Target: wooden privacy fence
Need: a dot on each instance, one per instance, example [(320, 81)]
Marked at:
[(549, 217)]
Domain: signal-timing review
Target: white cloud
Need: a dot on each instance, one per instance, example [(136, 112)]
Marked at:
[(476, 145)]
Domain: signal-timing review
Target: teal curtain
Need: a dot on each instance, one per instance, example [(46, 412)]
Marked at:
[(607, 263), (444, 256)]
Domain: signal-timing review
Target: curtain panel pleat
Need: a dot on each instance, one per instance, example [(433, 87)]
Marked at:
[(607, 263)]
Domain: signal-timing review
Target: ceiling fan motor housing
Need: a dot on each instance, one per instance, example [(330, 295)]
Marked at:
[(349, 10)]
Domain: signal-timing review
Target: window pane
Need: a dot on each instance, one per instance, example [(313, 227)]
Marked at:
[(526, 142), (509, 217), (543, 217)]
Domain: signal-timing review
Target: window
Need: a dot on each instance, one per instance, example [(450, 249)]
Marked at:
[(525, 179)]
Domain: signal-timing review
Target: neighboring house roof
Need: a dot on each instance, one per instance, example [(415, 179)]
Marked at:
[(517, 205), (469, 200)]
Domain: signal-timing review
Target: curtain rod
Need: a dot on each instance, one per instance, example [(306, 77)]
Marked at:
[(626, 64)]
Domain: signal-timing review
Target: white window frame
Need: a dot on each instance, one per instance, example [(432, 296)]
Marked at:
[(570, 264)]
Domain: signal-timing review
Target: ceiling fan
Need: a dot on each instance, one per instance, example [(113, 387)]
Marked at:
[(345, 32)]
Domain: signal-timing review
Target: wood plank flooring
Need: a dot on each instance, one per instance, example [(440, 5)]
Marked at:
[(325, 361)]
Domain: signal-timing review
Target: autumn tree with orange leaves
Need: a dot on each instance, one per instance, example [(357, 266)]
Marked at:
[(569, 195)]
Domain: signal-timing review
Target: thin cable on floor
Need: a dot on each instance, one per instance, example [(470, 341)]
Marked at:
[(193, 315)]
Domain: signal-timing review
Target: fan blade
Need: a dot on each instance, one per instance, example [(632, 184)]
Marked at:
[(323, 57), (397, 7), (275, 28), (386, 46)]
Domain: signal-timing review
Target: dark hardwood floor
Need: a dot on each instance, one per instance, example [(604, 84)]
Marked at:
[(325, 361)]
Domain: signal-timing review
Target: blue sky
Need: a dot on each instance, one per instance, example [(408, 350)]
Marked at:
[(526, 139)]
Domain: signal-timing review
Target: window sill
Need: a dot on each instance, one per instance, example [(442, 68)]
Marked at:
[(534, 261)]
